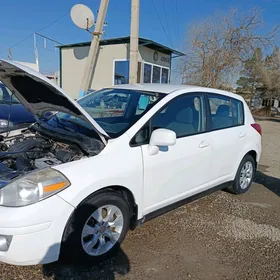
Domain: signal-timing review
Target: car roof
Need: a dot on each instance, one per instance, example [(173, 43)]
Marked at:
[(168, 88), (163, 88)]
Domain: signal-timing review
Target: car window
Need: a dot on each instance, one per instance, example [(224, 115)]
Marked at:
[(111, 105), (238, 112), (184, 115), (115, 110), (225, 111), (6, 95), (145, 101)]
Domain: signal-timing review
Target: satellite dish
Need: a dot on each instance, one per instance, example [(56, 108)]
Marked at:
[(82, 16)]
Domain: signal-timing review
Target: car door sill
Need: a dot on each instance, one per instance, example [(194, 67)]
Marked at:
[(177, 204)]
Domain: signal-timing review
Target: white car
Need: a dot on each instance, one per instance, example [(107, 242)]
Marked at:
[(74, 183)]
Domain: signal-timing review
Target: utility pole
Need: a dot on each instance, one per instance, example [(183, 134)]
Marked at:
[(93, 50), (36, 52), (134, 37)]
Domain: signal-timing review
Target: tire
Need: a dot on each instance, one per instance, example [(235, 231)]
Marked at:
[(238, 186), (82, 230)]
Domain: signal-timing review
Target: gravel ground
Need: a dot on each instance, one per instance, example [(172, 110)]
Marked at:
[(221, 236)]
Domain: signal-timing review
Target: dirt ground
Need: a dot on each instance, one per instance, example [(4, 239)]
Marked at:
[(221, 236)]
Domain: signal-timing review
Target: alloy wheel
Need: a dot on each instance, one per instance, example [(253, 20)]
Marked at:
[(102, 230), (246, 175)]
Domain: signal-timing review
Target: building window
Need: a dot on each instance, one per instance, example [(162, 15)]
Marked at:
[(121, 75), (155, 74), (147, 73), (164, 75)]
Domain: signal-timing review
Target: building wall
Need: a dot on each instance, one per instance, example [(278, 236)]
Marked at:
[(31, 65), (146, 54), (73, 61)]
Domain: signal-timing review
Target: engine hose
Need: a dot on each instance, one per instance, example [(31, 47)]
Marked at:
[(9, 154)]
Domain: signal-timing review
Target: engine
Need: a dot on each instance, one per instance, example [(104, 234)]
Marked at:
[(24, 153)]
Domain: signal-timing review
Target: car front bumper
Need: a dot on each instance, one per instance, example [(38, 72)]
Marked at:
[(34, 232)]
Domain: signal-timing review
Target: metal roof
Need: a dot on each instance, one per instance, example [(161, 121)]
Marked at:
[(124, 40)]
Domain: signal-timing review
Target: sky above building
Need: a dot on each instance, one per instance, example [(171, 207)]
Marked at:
[(164, 21)]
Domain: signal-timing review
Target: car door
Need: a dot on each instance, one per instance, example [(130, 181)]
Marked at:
[(228, 133), (181, 170)]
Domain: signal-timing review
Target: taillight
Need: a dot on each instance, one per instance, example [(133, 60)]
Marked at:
[(257, 127)]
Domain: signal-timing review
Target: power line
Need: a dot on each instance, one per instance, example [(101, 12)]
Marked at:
[(23, 40), (43, 28), (49, 39), (167, 26), (176, 20), (54, 22), (161, 23)]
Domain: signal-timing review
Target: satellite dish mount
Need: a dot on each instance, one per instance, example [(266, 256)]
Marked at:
[(82, 16)]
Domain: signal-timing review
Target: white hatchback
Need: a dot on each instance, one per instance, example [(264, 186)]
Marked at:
[(86, 172)]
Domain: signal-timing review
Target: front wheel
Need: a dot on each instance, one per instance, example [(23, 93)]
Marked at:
[(97, 228), (244, 176)]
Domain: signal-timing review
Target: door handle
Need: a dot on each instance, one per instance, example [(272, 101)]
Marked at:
[(242, 135), (204, 144)]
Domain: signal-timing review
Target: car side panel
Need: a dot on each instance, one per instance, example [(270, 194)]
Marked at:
[(117, 165), (227, 146), (177, 173), (251, 142)]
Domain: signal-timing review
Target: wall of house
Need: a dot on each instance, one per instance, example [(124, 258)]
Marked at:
[(148, 55), (73, 62)]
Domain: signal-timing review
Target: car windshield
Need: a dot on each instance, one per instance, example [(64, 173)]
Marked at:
[(115, 110), (6, 95)]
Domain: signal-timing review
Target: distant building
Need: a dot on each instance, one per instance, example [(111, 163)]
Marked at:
[(112, 66), (258, 101), (31, 65), (54, 77)]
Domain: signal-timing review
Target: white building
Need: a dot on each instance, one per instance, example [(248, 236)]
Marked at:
[(31, 65), (112, 66)]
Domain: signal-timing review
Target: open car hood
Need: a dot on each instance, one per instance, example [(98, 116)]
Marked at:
[(40, 95)]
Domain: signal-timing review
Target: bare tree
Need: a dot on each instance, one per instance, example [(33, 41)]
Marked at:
[(219, 46), (270, 74)]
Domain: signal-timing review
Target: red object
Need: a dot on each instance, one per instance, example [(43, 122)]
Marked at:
[(257, 127)]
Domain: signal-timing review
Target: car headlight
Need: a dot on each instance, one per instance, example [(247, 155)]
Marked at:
[(5, 124), (33, 187)]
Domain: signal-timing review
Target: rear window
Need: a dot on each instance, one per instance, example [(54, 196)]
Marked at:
[(6, 95), (225, 111)]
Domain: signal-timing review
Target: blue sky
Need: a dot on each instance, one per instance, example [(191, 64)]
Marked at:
[(19, 19)]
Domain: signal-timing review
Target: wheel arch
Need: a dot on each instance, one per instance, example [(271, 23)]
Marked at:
[(254, 155), (249, 151), (126, 194)]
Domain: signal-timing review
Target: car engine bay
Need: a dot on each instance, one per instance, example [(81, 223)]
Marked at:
[(25, 152)]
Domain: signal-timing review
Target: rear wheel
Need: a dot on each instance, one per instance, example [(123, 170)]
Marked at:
[(97, 228), (244, 176)]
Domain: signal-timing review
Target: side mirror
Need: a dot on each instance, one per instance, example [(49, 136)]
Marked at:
[(161, 138)]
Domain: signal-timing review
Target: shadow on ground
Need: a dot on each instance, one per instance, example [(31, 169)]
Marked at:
[(271, 183), (119, 264), (73, 264)]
